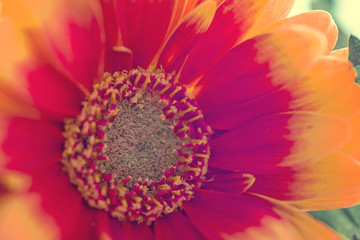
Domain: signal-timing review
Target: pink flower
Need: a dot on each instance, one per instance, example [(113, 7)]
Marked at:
[(259, 115)]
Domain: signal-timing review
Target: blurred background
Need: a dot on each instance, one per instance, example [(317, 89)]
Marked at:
[(346, 14)]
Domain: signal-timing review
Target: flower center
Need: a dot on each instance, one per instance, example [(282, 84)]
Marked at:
[(140, 143), (139, 147)]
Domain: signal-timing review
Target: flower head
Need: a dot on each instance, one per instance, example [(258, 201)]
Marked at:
[(173, 119)]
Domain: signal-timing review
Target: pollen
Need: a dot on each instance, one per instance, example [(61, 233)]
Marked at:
[(139, 148)]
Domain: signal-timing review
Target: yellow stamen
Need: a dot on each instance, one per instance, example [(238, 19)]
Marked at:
[(182, 113), (97, 177), (156, 83), (182, 159), (104, 188), (201, 155), (178, 88), (137, 79), (181, 129), (165, 89), (195, 118), (124, 202), (146, 82)]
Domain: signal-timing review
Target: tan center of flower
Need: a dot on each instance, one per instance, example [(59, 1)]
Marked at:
[(139, 148), (140, 143)]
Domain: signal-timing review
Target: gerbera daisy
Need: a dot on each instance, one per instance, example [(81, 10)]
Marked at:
[(173, 120)]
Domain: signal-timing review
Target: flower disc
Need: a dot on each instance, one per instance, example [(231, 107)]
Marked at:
[(139, 147)]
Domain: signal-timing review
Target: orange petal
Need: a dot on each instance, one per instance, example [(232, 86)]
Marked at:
[(190, 4), (186, 35), (319, 20), (13, 181), (322, 85), (23, 212), (315, 186), (347, 104), (178, 14), (273, 11), (42, 49), (353, 144), (341, 53), (305, 225), (14, 98), (10, 105), (68, 34)]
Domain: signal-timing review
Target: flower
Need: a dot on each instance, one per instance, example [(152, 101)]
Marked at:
[(271, 129)]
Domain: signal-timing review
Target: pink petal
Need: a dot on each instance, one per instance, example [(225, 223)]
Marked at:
[(253, 70), (332, 182), (74, 41), (227, 216), (270, 143), (143, 25), (175, 226), (233, 21), (111, 30), (130, 230), (185, 36), (228, 181), (40, 143), (53, 94)]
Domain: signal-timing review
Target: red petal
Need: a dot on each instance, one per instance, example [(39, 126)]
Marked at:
[(32, 145), (111, 30), (130, 230), (321, 88), (255, 69), (175, 226), (143, 25), (61, 200), (269, 143), (218, 215), (122, 58), (226, 216), (74, 42), (186, 35), (53, 94), (50, 36), (232, 22), (102, 225), (228, 181), (315, 186)]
